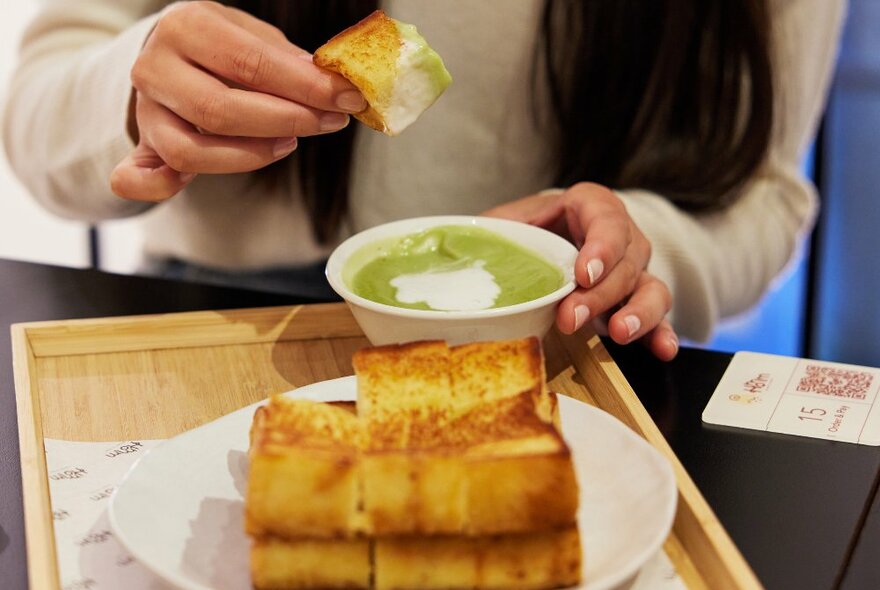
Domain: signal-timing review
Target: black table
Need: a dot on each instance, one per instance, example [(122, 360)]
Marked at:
[(805, 513)]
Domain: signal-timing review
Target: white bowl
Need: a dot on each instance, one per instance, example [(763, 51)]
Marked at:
[(387, 324)]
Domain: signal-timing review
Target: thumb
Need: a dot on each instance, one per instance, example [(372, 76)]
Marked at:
[(542, 210), (143, 176)]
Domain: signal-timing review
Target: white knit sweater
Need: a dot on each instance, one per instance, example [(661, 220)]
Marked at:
[(65, 130)]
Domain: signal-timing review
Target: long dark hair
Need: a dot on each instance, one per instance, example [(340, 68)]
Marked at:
[(673, 96)]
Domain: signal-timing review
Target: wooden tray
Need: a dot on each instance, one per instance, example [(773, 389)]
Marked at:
[(156, 376)]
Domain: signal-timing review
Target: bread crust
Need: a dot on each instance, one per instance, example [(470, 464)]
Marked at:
[(366, 55)]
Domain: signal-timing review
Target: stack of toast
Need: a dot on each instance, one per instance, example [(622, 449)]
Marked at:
[(449, 472)]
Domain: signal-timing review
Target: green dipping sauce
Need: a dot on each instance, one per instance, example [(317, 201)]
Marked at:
[(451, 267)]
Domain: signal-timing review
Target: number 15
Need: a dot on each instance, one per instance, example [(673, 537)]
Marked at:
[(816, 413)]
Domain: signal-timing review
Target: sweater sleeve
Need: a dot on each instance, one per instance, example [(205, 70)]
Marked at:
[(65, 115), (720, 264)]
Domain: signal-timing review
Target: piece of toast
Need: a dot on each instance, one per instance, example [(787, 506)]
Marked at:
[(530, 561), (282, 564), (409, 393), (518, 470), (405, 402), (404, 394), (483, 372), (368, 53), (461, 440), (304, 470)]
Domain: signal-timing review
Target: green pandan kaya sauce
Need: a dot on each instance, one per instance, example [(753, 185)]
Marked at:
[(450, 268)]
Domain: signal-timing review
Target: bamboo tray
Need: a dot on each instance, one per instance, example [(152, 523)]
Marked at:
[(156, 376)]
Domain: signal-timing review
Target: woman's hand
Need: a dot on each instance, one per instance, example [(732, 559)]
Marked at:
[(219, 91), (610, 267)]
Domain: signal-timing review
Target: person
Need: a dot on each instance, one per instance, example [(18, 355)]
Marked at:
[(662, 137)]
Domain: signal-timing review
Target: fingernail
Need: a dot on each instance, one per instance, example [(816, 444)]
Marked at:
[(333, 121), (284, 146), (594, 270), (187, 176), (305, 57), (632, 324), (673, 341), (351, 101), (581, 313)]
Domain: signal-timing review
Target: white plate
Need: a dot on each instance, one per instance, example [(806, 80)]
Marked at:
[(179, 511)]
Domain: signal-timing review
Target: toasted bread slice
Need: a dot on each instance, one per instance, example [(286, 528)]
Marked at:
[(483, 372), (404, 395), (409, 393), (304, 479), (547, 559), (533, 561), (278, 564), (518, 470), (366, 54), (461, 441), (487, 371), (405, 401), (414, 493), (392, 65)]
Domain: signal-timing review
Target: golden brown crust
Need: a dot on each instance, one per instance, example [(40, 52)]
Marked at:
[(304, 460), (485, 371), (284, 423), (543, 560), (278, 564), (365, 54), (537, 561)]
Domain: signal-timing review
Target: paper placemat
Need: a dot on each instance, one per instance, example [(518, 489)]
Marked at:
[(82, 477)]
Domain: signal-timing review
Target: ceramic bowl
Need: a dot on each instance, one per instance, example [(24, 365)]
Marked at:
[(387, 324)]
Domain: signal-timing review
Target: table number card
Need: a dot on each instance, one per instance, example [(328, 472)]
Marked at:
[(797, 396)]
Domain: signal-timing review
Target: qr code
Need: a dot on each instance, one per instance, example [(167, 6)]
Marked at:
[(848, 383)]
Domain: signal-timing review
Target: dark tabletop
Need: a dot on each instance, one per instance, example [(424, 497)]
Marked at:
[(804, 512)]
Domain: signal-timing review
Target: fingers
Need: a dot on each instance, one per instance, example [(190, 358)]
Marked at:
[(219, 91), (612, 257), (643, 311), (642, 316), (268, 33), (184, 149), (610, 266), (662, 341), (212, 106), (246, 59), (143, 176), (171, 152), (609, 242), (541, 210)]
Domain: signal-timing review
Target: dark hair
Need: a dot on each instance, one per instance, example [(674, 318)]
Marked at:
[(673, 96)]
